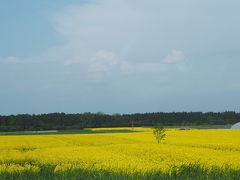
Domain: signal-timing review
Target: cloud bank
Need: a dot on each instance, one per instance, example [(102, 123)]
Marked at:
[(110, 37)]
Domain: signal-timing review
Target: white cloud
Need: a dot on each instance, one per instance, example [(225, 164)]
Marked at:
[(14, 60), (10, 60), (176, 56), (103, 61)]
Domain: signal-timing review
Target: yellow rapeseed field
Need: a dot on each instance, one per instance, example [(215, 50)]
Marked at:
[(120, 152)]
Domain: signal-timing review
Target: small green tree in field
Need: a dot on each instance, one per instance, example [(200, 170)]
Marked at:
[(159, 132)]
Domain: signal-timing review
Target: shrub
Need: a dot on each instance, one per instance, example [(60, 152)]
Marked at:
[(159, 132)]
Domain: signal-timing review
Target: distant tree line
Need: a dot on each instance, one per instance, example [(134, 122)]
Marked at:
[(62, 121)]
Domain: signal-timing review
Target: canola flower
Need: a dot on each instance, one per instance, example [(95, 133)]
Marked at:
[(129, 153)]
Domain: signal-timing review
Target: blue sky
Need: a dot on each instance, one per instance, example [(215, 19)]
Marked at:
[(119, 56)]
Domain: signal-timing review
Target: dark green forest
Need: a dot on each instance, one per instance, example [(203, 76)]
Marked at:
[(62, 121)]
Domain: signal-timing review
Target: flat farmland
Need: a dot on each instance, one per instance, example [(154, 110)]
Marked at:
[(120, 153)]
